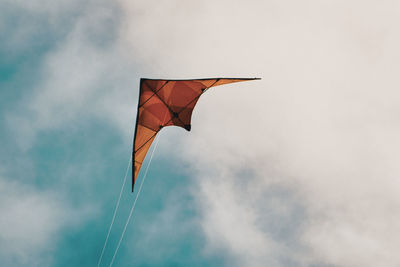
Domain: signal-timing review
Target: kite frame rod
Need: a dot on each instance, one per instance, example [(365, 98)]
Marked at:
[(134, 136), (202, 79)]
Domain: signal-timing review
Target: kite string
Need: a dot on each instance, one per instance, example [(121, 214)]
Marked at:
[(134, 203), (115, 212)]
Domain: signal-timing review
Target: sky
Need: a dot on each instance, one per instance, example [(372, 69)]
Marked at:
[(297, 169)]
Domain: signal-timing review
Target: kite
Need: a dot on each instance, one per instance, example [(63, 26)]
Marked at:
[(164, 103)]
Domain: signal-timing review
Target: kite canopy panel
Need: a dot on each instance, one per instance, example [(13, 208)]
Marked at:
[(166, 103)]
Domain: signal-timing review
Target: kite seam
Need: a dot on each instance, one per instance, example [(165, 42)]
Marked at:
[(154, 93), (197, 97), (170, 110), (145, 142), (148, 127)]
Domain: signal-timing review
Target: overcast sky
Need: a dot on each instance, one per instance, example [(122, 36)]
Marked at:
[(300, 168)]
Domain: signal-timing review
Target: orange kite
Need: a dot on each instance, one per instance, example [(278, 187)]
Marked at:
[(166, 103)]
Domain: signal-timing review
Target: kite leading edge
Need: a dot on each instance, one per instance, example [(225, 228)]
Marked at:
[(164, 103)]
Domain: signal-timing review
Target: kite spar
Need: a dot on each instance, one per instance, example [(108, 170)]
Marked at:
[(164, 103)]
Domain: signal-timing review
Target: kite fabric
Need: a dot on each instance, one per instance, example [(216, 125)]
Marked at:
[(165, 103)]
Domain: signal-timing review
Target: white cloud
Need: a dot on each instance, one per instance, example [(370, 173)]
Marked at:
[(86, 75), (298, 168), (75, 79), (31, 221), (321, 126), (27, 25)]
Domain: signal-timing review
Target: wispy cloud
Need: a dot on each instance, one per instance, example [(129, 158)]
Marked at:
[(84, 75), (75, 73), (322, 126), (297, 169), (30, 222)]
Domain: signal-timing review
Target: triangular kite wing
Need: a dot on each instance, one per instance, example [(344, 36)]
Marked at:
[(165, 103)]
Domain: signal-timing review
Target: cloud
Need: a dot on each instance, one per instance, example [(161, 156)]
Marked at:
[(85, 75), (31, 222), (297, 169), (319, 132), (27, 27), (75, 70)]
